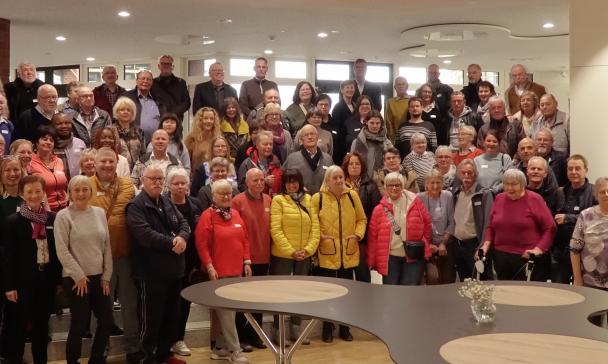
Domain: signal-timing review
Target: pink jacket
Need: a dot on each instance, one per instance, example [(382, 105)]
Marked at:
[(380, 231)]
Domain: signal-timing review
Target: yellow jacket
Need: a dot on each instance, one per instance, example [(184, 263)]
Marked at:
[(339, 219), (120, 239), (292, 228)]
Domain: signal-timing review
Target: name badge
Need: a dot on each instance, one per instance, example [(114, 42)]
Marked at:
[(325, 167), (357, 129), (334, 132), (433, 116), (59, 172), (477, 203), (18, 208), (439, 95), (50, 227), (485, 166), (237, 225), (576, 208), (4, 131), (101, 193), (266, 209)]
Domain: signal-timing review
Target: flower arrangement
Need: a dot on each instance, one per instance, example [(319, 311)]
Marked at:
[(476, 290)]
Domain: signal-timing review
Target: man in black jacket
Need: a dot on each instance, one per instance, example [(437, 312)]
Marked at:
[(470, 90), (21, 93), (213, 92), (441, 91), (171, 89), (160, 235), (27, 125), (556, 159), (366, 88)]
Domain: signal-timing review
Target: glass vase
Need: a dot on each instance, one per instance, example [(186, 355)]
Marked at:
[(483, 311)]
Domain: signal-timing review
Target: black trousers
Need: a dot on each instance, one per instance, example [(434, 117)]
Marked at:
[(465, 251), (561, 266), (246, 332), (184, 311), (285, 267), (32, 310), (158, 304), (510, 266), (80, 310), (362, 273), (345, 273)]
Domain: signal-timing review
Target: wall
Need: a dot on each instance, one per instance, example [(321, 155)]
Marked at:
[(557, 83)]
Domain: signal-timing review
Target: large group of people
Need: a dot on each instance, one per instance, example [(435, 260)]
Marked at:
[(107, 200)]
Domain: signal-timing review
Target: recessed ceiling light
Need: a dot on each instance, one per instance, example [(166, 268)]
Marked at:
[(124, 14), (208, 42), (335, 32), (445, 55), (60, 38), (205, 37), (268, 51), (225, 21), (322, 35), (548, 25), (447, 61), (90, 59)]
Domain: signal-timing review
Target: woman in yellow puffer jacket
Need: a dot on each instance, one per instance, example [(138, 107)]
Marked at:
[(342, 225), (295, 233)]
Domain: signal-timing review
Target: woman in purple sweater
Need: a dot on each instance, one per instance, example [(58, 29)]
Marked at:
[(520, 225)]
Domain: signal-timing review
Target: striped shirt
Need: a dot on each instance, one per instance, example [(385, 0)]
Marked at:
[(407, 129), (421, 164)]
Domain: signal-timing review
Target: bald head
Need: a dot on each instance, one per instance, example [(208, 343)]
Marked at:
[(47, 99), (254, 179), (432, 73)]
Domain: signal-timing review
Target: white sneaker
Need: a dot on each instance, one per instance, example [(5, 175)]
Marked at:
[(237, 357), (220, 354), (180, 348)]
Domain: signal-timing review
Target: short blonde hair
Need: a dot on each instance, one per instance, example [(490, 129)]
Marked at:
[(433, 174), (220, 184), (394, 176), (270, 107), (79, 180), (328, 173), (122, 102)]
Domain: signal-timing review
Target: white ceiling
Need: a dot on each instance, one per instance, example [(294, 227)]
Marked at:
[(375, 30)]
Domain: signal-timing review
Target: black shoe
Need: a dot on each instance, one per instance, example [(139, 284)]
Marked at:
[(258, 343), (328, 332), (116, 331), (134, 358), (246, 348), (87, 335), (345, 333)]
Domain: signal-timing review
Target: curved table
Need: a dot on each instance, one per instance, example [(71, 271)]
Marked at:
[(415, 322)]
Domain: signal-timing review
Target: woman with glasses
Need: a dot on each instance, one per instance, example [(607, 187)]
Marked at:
[(466, 145), (131, 136), (443, 159), (282, 143)]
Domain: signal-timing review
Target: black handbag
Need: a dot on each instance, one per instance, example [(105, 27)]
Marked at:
[(414, 249)]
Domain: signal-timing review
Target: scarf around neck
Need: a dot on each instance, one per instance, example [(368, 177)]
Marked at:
[(224, 212), (313, 162), (37, 218)]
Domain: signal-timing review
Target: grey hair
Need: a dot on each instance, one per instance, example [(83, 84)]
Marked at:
[(178, 172), (469, 129), (25, 63), (219, 161), (443, 148), (433, 174), (220, 184), (265, 133), (45, 87), (142, 71), (600, 181), (495, 99), (394, 176), (124, 101), (515, 174), (468, 162), (252, 171), (546, 131), (539, 159), (108, 67), (153, 167), (417, 137)]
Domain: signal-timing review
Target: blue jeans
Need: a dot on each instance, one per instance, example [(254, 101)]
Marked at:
[(403, 273)]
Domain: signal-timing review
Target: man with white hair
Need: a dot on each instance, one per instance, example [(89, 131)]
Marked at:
[(160, 234), (150, 106), (89, 117), (213, 92), (520, 82), (396, 107), (470, 91), (107, 93), (557, 160), (309, 160), (27, 125), (537, 174), (22, 93), (172, 89), (557, 121), (510, 132)]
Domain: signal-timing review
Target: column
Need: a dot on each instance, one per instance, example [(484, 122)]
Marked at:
[(5, 47), (588, 80)]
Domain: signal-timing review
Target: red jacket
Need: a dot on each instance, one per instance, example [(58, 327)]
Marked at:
[(222, 243), (380, 231)]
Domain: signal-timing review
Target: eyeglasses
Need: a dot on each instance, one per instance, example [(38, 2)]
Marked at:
[(155, 179), (399, 186)]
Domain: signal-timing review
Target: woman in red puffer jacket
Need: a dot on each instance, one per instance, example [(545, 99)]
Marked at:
[(400, 217)]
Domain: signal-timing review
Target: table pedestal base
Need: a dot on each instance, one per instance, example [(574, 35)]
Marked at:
[(281, 354)]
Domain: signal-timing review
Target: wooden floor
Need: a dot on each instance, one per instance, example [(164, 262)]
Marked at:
[(364, 349)]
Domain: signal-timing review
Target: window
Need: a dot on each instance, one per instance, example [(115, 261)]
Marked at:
[(65, 76), (286, 93), (380, 74), (206, 64), (333, 71), (492, 77), (241, 67), (290, 69), (131, 70), (199, 67), (451, 77), (94, 74), (414, 75)]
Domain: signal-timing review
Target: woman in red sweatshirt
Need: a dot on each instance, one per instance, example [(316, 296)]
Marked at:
[(223, 247), (520, 225)]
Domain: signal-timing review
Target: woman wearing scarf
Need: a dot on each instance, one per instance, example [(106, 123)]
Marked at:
[(223, 248), (485, 90), (67, 146), (372, 141), (282, 143), (132, 144), (295, 234), (234, 128), (32, 272), (261, 157)]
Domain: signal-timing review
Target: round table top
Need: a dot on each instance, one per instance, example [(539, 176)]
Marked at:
[(413, 321), (524, 348), (281, 291), (535, 296)]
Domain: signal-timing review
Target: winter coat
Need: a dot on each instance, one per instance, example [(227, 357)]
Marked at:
[(293, 226)]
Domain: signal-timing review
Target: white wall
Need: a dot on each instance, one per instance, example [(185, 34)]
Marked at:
[(557, 83)]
